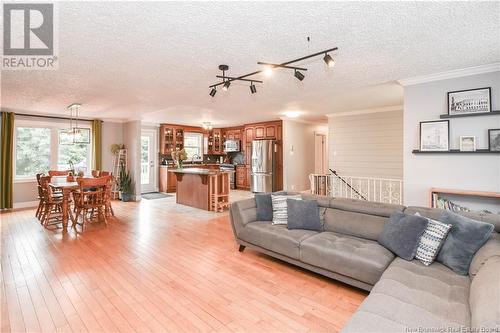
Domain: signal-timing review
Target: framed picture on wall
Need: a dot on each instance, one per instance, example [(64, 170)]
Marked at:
[(494, 139), (470, 101), (435, 135), (467, 143)]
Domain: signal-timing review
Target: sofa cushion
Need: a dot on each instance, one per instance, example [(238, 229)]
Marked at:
[(362, 259), (264, 206), (410, 296), (303, 214), (490, 249), (276, 238), (485, 297), (280, 207), (402, 234), (354, 224), (464, 239)]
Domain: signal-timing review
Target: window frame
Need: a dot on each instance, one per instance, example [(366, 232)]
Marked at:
[(54, 143), (200, 146)]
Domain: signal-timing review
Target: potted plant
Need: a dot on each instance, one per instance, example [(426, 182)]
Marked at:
[(125, 185), (179, 156), (116, 147)]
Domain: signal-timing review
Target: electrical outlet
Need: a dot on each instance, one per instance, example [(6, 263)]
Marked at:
[(292, 187)]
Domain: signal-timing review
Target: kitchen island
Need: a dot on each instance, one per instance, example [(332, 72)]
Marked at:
[(206, 189)]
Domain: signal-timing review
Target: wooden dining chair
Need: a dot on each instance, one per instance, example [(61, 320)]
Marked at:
[(104, 173), (95, 173), (52, 203), (90, 198), (58, 172)]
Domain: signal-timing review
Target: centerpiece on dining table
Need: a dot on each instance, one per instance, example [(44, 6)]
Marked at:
[(179, 156)]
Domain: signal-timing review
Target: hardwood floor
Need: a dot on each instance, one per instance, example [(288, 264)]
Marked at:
[(155, 268)]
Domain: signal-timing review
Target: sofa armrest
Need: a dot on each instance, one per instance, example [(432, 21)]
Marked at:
[(241, 213)]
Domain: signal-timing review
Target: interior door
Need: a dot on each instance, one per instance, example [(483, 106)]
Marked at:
[(320, 158), (148, 161)]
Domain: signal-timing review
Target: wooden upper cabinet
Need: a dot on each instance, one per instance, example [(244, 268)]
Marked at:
[(259, 132), (249, 134), (270, 132)]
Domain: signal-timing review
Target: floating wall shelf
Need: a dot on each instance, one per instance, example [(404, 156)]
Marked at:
[(456, 151), (491, 113)]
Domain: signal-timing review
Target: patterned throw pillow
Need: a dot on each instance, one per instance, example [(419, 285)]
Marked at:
[(431, 241), (280, 215)]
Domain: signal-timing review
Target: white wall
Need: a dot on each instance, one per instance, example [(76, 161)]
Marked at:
[(480, 172), (132, 141), (111, 133), (298, 154), (367, 143)]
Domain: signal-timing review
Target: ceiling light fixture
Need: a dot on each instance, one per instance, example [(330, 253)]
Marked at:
[(226, 81), (268, 71), (213, 92), (207, 125), (292, 114), (252, 88), (329, 61), (299, 75), (75, 134)]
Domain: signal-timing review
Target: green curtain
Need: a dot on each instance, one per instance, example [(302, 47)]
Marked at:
[(97, 144), (6, 166)]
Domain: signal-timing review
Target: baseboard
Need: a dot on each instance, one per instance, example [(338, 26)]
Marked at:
[(25, 204)]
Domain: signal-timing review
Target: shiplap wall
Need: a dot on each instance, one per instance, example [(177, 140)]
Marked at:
[(367, 145)]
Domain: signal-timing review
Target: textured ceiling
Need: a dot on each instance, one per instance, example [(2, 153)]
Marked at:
[(154, 60)]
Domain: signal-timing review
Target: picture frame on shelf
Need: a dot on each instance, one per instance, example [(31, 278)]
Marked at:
[(494, 139), (467, 143), (435, 135), (470, 101)]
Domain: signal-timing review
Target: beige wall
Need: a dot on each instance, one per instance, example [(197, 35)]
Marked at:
[(132, 141), (298, 154), (367, 144)]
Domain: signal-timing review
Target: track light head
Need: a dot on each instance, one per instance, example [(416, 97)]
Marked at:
[(253, 89), (299, 75), (213, 92), (226, 85), (329, 61)]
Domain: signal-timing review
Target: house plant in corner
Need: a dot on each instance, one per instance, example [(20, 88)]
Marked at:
[(126, 192)]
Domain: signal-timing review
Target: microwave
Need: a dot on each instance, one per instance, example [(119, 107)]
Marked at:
[(231, 146)]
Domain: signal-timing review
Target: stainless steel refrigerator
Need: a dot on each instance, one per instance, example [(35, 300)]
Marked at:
[(263, 174)]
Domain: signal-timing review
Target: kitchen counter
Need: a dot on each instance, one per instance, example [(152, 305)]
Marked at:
[(195, 186)]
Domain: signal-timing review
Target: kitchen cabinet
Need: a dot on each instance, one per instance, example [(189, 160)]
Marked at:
[(215, 142), (241, 177), (171, 137)]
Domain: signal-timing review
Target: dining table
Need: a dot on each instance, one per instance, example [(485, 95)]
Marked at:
[(61, 183)]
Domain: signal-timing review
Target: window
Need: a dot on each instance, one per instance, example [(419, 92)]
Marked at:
[(78, 154), (37, 148), (193, 145), (32, 151)]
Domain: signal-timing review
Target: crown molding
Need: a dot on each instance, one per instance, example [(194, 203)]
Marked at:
[(304, 121), (366, 111), (494, 67)]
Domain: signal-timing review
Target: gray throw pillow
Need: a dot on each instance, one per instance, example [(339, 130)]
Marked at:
[(464, 239), (265, 205), (402, 234), (303, 214)]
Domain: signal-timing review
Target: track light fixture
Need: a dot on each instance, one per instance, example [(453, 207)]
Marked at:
[(252, 88), (329, 61), (226, 80), (299, 75)]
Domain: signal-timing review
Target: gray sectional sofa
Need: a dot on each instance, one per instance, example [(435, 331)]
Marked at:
[(405, 295)]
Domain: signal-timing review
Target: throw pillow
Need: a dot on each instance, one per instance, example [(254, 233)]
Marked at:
[(402, 234), (303, 214), (264, 207), (431, 241), (464, 239), (280, 215)]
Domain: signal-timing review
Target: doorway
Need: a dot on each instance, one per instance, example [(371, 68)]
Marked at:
[(148, 161), (320, 156)]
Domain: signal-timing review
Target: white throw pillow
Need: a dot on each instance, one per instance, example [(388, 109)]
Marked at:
[(431, 241), (280, 215)]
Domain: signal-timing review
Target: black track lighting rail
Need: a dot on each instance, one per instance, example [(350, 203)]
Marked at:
[(279, 65), (237, 79)]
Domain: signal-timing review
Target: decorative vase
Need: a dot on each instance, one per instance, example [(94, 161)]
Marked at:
[(179, 164)]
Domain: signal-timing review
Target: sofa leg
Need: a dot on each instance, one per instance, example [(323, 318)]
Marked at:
[(242, 248)]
